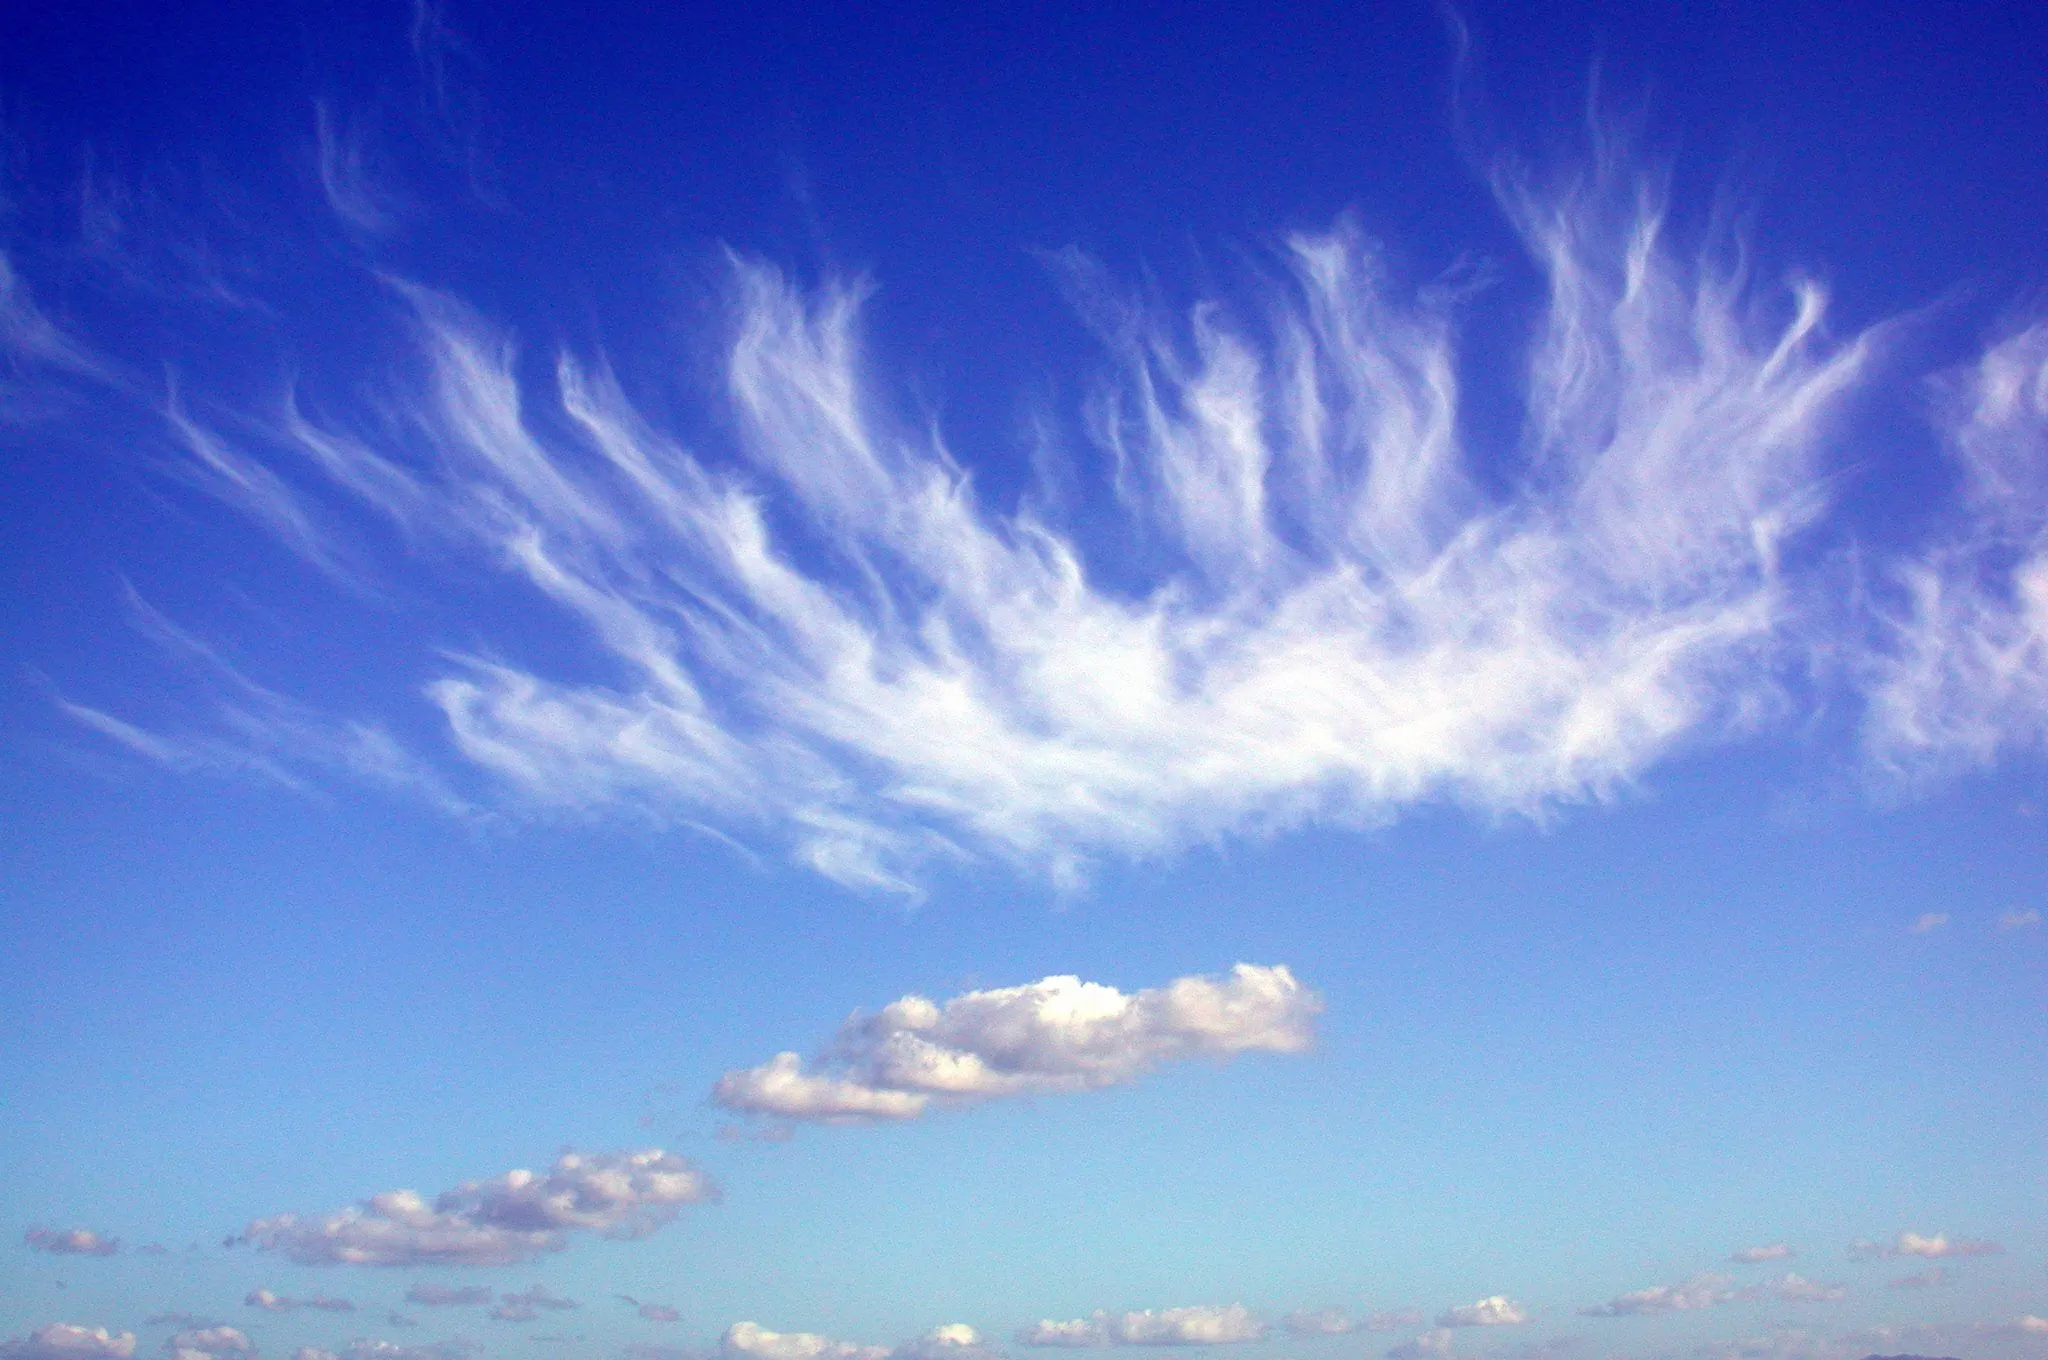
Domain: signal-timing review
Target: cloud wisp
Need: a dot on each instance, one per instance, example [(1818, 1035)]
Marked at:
[(1334, 608), (502, 1221), (1054, 1035), (1936, 1247)]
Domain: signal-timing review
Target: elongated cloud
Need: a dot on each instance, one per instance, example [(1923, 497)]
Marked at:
[(1778, 1251), (1329, 607), (447, 1296), (1198, 1325), (71, 1242), (67, 1341), (1057, 1034), (210, 1343), (271, 1302), (509, 1219), (1701, 1291), (1933, 1248)]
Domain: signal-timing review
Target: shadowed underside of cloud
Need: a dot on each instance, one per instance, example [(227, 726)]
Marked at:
[(511, 1218), (66, 1341), (71, 1242), (1333, 609), (1057, 1034)]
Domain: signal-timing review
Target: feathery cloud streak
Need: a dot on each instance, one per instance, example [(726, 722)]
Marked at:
[(837, 644), (1056, 1034), (511, 1218)]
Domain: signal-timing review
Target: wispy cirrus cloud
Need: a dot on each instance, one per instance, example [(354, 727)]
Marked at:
[(1196, 1325), (1057, 1034), (502, 1221), (1333, 611)]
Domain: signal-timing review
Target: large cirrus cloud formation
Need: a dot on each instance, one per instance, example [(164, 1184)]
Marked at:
[(1325, 604), (510, 1218), (1056, 1034)]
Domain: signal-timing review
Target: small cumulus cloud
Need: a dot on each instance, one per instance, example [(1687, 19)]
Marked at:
[(1701, 1291), (1319, 1322), (1791, 1288), (502, 1221), (1776, 1251), (1199, 1325), (68, 1341), (210, 1343), (1057, 1034), (751, 1341), (71, 1242), (1495, 1311), (2018, 919), (1913, 1244)]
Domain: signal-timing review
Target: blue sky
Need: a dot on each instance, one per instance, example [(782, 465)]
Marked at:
[(852, 684)]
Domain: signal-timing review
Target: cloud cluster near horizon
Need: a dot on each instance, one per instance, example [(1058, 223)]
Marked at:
[(1330, 607), (502, 1221), (1196, 1325), (1056, 1034)]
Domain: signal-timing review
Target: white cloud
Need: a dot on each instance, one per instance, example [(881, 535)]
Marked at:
[(210, 1343), (1927, 921), (1200, 1325), (1776, 1251), (1798, 1289), (1701, 1291), (1057, 1034), (1496, 1311), (2018, 919), (278, 1303), (1319, 1322), (1913, 1244), (951, 1341), (67, 1341), (1961, 675), (831, 640), (365, 1348), (751, 1341), (71, 1241), (502, 1221)]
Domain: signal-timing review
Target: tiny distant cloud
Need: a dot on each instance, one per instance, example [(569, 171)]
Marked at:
[(444, 1296), (210, 1343), (1431, 1345), (1496, 1311), (1913, 1244), (1930, 1278), (1928, 921), (950, 1341), (528, 1305), (503, 1221), (71, 1242), (1191, 1326), (2020, 920), (1319, 1322), (1776, 1251), (1701, 1291), (280, 1303), (1791, 1288), (66, 1341), (1057, 1034)]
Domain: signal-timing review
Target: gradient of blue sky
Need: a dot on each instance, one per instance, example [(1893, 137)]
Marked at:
[(1593, 1017)]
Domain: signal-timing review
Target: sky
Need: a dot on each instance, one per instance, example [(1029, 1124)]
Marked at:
[(802, 682)]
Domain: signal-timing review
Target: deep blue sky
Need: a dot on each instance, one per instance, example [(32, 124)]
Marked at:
[(1648, 788)]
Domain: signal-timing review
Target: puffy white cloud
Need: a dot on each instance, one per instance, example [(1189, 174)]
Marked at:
[(1495, 1311), (1199, 1325), (1776, 1251), (210, 1343), (447, 1296), (1057, 1034), (1913, 1244), (828, 638), (526, 1306), (71, 1242), (67, 1341), (950, 1341), (502, 1221), (279, 1303), (1798, 1289), (1961, 675), (751, 1341), (1701, 1291)]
